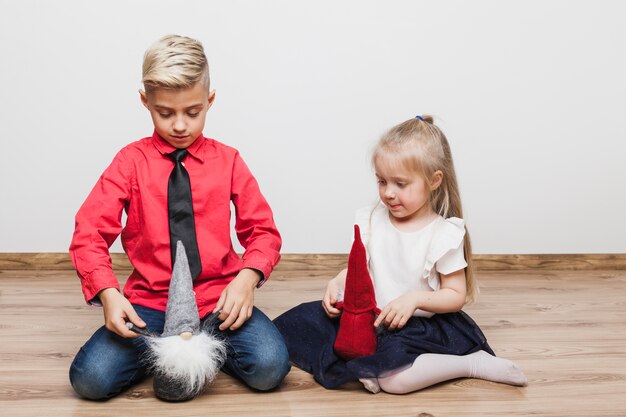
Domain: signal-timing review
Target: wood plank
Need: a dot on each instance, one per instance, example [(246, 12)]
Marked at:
[(570, 262), (564, 328), (335, 262)]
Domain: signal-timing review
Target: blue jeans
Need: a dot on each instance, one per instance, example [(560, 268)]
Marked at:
[(108, 364)]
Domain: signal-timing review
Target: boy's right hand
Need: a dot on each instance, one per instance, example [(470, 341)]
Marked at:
[(117, 311), (334, 289)]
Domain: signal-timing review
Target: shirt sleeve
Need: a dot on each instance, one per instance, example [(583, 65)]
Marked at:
[(97, 225), (254, 222), (452, 261)]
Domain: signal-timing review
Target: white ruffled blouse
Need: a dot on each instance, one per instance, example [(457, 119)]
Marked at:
[(405, 261)]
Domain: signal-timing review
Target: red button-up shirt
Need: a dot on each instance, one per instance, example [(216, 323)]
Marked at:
[(136, 181)]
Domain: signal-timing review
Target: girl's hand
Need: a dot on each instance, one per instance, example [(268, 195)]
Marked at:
[(450, 297), (396, 314), (334, 289), (237, 299), (117, 311)]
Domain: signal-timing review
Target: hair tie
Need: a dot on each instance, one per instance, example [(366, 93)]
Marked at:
[(419, 117)]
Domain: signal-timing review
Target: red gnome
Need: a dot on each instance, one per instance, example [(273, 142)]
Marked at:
[(356, 336)]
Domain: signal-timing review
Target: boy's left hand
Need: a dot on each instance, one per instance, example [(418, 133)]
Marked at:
[(237, 299)]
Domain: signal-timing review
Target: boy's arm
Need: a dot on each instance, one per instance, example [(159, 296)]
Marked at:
[(117, 311), (237, 299), (254, 222), (257, 233), (98, 224)]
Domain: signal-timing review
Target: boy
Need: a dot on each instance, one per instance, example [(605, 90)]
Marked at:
[(151, 180)]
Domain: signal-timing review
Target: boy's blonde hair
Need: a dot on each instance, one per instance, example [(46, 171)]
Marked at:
[(175, 62), (420, 147)]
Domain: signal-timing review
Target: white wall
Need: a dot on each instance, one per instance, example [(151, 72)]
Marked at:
[(532, 95)]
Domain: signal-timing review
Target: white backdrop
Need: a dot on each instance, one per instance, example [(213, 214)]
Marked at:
[(531, 94)]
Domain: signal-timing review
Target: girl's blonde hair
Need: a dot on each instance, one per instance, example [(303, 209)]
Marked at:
[(175, 62), (421, 147)]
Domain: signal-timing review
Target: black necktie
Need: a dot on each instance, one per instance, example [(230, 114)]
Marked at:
[(180, 211)]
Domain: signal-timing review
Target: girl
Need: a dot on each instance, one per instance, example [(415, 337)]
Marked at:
[(419, 257)]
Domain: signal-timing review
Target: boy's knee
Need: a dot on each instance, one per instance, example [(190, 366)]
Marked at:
[(269, 377), (269, 370), (91, 383)]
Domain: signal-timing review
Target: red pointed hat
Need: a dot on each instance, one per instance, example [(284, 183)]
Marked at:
[(359, 293), (356, 335)]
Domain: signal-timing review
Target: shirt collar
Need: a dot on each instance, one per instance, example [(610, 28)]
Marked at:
[(196, 149)]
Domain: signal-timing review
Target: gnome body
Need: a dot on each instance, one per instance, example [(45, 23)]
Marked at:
[(356, 336), (185, 358)]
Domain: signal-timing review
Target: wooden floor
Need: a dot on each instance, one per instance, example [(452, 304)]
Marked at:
[(566, 329)]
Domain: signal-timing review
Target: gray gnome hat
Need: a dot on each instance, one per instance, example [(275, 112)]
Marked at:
[(181, 313)]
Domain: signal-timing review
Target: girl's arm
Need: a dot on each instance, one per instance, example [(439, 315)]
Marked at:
[(334, 293), (450, 297)]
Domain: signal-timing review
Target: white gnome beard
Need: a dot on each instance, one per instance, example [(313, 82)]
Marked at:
[(193, 363)]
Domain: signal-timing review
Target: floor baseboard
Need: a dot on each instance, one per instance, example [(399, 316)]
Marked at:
[(335, 262)]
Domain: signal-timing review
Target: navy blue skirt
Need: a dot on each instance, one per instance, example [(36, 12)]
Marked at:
[(310, 336)]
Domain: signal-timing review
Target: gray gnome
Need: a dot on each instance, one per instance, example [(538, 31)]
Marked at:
[(184, 359)]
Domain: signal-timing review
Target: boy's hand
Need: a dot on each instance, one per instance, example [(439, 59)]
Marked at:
[(396, 314), (237, 299), (117, 310), (334, 289)]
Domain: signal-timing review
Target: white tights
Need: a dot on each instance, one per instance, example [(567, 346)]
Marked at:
[(429, 369)]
